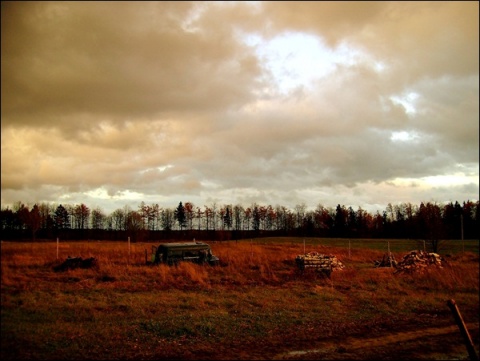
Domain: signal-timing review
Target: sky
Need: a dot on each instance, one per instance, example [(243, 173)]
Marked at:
[(361, 104)]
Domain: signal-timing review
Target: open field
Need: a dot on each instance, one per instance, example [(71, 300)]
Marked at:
[(255, 305)]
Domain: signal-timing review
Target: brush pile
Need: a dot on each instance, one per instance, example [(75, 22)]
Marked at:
[(76, 262), (418, 261), (318, 261), (387, 261)]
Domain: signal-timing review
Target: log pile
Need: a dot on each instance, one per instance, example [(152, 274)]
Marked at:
[(318, 261), (418, 261), (387, 261)]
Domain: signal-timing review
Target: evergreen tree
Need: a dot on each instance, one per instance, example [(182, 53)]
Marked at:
[(61, 219), (227, 218), (180, 216)]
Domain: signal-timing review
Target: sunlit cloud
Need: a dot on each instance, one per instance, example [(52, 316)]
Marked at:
[(404, 136), (435, 181), (407, 101), (358, 103)]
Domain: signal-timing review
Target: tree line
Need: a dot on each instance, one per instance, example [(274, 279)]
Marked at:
[(429, 221)]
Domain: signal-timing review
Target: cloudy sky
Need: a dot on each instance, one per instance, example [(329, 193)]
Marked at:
[(276, 103)]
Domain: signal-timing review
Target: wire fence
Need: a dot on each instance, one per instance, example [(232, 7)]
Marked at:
[(387, 245)]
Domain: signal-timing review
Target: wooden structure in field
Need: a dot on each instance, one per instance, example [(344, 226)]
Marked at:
[(319, 262)]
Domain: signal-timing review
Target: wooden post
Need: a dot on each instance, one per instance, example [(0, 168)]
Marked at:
[(57, 247), (389, 255), (463, 330), (348, 248), (304, 246), (129, 250)]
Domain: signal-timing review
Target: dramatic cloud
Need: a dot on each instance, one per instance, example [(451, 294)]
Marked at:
[(353, 103)]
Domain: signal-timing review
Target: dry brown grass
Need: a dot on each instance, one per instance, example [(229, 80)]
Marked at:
[(246, 308)]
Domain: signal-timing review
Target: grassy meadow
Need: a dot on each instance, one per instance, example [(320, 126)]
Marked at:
[(255, 305)]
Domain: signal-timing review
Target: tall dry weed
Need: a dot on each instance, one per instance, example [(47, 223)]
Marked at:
[(192, 273)]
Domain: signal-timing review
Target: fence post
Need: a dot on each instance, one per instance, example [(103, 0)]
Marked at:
[(463, 330), (461, 226), (389, 255), (57, 247)]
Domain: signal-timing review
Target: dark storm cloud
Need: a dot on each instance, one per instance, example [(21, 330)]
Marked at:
[(158, 101)]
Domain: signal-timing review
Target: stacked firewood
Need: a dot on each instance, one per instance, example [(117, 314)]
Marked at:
[(318, 260), (417, 261), (387, 261)]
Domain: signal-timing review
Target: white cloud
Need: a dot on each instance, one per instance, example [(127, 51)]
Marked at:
[(283, 103)]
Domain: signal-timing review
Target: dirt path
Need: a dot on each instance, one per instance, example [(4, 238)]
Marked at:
[(394, 344)]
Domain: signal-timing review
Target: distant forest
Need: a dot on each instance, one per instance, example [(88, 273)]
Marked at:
[(427, 221)]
